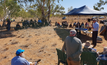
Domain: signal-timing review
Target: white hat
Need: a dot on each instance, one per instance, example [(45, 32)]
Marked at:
[(87, 44), (73, 31)]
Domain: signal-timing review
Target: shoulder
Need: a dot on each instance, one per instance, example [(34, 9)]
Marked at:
[(19, 58), (23, 59), (14, 58), (77, 40), (97, 23), (67, 37)]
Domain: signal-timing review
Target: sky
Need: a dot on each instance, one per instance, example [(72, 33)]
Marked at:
[(78, 3)]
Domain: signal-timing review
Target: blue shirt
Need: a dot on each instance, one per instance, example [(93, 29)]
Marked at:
[(102, 57), (40, 21), (95, 26), (19, 61)]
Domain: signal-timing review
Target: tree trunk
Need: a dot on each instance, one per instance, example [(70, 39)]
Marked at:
[(49, 12)]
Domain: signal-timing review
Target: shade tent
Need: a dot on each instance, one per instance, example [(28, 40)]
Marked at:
[(84, 10)]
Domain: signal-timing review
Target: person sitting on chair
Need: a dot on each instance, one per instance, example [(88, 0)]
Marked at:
[(70, 25), (88, 47), (17, 26), (32, 23), (103, 56), (20, 60), (86, 25), (78, 25), (74, 24), (56, 23), (82, 25)]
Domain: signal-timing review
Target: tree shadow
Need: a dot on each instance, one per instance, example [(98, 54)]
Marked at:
[(6, 34), (84, 38), (63, 33)]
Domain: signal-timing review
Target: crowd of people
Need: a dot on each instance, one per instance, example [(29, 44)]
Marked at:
[(73, 48), (32, 23), (73, 45), (78, 24), (81, 25), (25, 24)]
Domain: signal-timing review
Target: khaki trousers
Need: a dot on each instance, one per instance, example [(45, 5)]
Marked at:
[(70, 62)]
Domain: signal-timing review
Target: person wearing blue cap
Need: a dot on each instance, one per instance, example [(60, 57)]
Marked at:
[(20, 60)]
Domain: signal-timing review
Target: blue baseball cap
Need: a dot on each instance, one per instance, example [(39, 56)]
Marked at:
[(19, 51)]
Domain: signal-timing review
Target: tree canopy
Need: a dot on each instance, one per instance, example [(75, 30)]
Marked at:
[(99, 5), (30, 8)]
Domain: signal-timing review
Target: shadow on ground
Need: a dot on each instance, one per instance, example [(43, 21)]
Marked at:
[(62, 33), (6, 34)]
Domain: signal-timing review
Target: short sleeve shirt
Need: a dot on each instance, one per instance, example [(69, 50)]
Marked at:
[(19, 61), (95, 26)]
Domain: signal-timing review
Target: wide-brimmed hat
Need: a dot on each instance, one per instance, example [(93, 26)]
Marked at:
[(87, 44)]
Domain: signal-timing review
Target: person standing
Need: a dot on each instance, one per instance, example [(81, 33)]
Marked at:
[(8, 24), (73, 47), (95, 27)]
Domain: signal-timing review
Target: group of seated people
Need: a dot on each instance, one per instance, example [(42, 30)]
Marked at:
[(64, 24), (99, 55), (78, 24), (32, 23), (26, 23), (81, 25)]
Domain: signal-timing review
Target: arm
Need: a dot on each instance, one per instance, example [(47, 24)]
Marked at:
[(79, 50), (64, 46), (35, 63)]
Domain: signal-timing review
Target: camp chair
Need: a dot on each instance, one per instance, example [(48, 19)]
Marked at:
[(61, 57), (88, 58), (103, 62)]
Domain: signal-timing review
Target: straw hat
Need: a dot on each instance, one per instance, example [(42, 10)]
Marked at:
[(87, 44)]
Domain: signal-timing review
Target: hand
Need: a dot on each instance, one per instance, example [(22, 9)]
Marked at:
[(69, 58), (38, 60), (32, 63)]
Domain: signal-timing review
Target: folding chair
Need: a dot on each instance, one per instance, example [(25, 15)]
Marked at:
[(61, 57), (88, 58), (103, 62)]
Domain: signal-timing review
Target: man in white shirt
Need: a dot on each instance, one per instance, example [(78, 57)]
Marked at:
[(95, 27)]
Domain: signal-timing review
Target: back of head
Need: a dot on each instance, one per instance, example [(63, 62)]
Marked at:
[(72, 32)]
